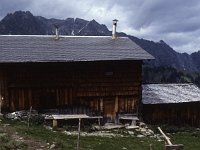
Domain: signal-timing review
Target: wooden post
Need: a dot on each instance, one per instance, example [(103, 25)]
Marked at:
[(101, 105), (97, 104), (57, 97), (55, 123), (166, 138), (30, 97), (79, 132), (133, 104), (99, 121), (1, 100), (126, 105), (66, 96), (116, 108), (29, 116), (116, 104)]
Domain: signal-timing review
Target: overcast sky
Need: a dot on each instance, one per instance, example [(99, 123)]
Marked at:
[(177, 22)]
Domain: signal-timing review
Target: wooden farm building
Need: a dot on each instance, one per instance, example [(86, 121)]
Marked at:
[(176, 104), (77, 75)]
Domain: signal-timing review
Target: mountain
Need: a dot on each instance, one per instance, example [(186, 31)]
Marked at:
[(25, 23), (166, 56)]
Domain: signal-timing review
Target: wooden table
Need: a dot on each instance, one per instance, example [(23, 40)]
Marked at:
[(67, 116)]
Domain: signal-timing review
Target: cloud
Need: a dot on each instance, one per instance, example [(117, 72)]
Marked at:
[(177, 22), (9, 6)]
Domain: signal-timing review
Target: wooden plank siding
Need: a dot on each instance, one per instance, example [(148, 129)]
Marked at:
[(57, 85), (173, 114)]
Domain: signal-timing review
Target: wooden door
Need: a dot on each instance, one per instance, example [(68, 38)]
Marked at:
[(109, 106)]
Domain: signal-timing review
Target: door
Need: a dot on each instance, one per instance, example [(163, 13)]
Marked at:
[(109, 110)]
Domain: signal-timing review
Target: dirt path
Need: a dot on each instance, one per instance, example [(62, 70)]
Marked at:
[(31, 143)]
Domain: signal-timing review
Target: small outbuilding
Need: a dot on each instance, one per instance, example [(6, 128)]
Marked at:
[(175, 104)]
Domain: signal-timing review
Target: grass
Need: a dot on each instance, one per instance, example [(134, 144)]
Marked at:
[(91, 142), (7, 143), (190, 137)]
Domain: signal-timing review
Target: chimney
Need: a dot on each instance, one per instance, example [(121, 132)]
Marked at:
[(57, 35), (114, 35)]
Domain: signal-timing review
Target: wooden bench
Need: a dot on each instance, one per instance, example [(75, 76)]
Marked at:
[(131, 117), (74, 116)]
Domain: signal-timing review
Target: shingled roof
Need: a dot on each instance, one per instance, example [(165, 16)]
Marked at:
[(36, 48), (170, 93)]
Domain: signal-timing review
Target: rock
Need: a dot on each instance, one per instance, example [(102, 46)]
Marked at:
[(83, 133), (130, 132), (112, 126), (48, 127), (52, 146), (140, 136), (67, 132), (143, 130), (2, 134), (5, 125), (96, 128), (18, 115), (150, 131), (132, 127), (142, 124), (138, 130), (124, 148), (21, 138), (159, 140)]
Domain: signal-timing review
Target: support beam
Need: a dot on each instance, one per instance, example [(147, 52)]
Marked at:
[(79, 133), (116, 108), (126, 104), (1, 100), (166, 137), (116, 104), (55, 123), (101, 105)]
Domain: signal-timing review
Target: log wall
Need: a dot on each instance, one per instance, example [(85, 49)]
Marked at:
[(88, 84), (173, 114)]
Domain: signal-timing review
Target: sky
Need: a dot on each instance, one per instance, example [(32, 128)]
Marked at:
[(177, 22)]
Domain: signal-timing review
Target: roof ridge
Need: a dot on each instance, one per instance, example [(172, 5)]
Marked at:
[(54, 36)]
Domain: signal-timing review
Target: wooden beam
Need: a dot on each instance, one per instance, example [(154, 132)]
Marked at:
[(0, 104), (101, 105), (79, 132), (55, 123), (166, 137), (1, 99), (97, 104), (30, 97), (66, 96), (116, 104), (126, 105), (57, 97)]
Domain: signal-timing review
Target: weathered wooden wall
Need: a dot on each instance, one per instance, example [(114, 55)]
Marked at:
[(90, 84), (174, 114)]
